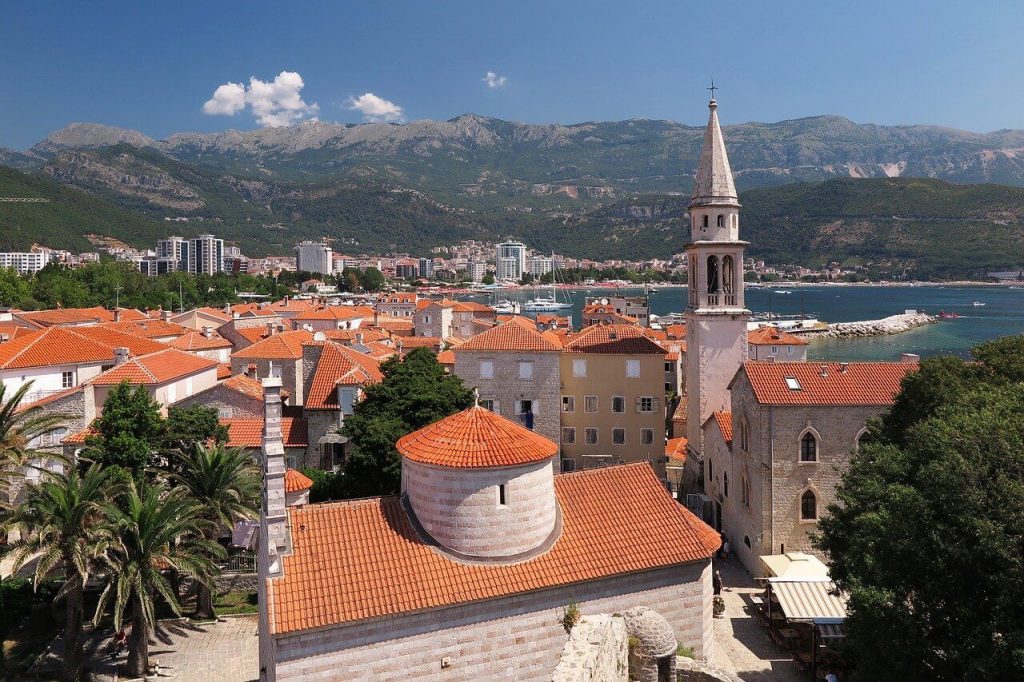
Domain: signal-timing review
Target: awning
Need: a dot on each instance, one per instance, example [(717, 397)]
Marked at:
[(810, 600), (795, 566), (830, 631)]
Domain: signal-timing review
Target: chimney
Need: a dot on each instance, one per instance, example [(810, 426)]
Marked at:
[(120, 356), (271, 328), (250, 370), (165, 315), (117, 314), (227, 308), (843, 367), (912, 358), (359, 338), (824, 371), (5, 338), (208, 332)]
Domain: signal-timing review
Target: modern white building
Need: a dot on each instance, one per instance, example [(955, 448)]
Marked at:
[(314, 257), (510, 261), (24, 262), (206, 255), (476, 271), (538, 266), (174, 250)]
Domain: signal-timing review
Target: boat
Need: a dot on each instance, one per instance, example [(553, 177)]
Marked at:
[(783, 291), (547, 304), (977, 304), (943, 315), (506, 307)]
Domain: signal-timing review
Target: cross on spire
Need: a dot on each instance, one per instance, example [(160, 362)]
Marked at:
[(713, 87)]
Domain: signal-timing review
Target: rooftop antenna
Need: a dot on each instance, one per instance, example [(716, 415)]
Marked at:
[(713, 88), (476, 397)]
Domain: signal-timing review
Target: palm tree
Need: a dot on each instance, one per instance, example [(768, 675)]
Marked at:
[(18, 428), (59, 524), (226, 484), (155, 529)]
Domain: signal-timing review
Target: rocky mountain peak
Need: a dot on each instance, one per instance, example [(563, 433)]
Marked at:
[(89, 136)]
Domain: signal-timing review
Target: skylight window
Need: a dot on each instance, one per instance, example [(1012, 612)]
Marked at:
[(792, 383)]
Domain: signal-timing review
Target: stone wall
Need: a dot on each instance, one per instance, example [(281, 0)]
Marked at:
[(290, 373), (228, 403), (597, 651), (515, 638)]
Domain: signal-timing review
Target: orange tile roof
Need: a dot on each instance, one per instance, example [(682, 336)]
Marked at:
[(246, 385), (363, 559), (278, 346), (13, 329), (612, 338), (770, 336), (472, 307), (334, 312), (295, 481), (49, 399), (216, 313), (410, 342), (69, 316), (676, 331), (853, 383), (223, 370), (475, 438), (252, 334), (517, 335), (724, 421), (69, 346), (247, 432), (147, 328), (675, 449), (339, 365), (398, 297), (394, 324), (155, 368), (79, 437), (446, 357), (196, 340), (367, 335)]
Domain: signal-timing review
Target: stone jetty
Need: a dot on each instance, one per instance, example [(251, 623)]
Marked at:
[(894, 324)]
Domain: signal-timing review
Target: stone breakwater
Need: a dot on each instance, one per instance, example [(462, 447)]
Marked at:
[(894, 324)]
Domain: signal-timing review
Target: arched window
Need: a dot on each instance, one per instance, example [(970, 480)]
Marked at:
[(725, 483), (744, 433), (711, 471), (712, 274), (808, 448), (862, 439), (746, 540), (728, 273), (808, 506), (705, 222), (721, 220)]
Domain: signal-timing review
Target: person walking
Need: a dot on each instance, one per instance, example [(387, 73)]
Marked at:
[(716, 583)]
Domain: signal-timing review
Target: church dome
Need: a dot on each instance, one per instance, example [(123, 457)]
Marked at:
[(481, 486)]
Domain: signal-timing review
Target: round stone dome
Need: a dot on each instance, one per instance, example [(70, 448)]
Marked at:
[(481, 486), (655, 635)]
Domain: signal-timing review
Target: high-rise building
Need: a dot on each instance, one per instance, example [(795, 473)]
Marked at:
[(476, 271), (426, 268), (510, 261), (314, 257), (25, 262), (173, 250), (206, 255), (538, 266)]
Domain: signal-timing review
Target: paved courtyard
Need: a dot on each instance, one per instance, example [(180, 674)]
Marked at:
[(225, 651), (742, 644)]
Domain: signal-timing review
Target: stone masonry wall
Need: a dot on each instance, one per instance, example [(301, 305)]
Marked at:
[(228, 403), (597, 651), (516, 638)]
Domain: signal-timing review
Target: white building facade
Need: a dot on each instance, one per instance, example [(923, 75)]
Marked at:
[(510, 261), (314, 257), (206, 255)]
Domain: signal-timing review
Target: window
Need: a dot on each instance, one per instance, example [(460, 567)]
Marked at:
[(789, 350), (501, 495), (775, 350), (579, 368), (646, 436), (645, 404), (705, 223), (744, 433), (525, 370), (632, 368), (590, 403), (568, 435), (618, 403), (524, 409), (668, 366), (590, 435), (792, 383), (487, 369), (618, 436), (492, 405), (744, 491), (711, 470), (862, 439), (273, 369), (721, 220), (224, 412), (426, 319), (568, 465), (725, 483), (292, 462), (67, 379), (568, 403), (808, 448), (712, 274), (808, 506), (746, 541)]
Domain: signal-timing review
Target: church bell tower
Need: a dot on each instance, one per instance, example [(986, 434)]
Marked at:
[(716, 314)]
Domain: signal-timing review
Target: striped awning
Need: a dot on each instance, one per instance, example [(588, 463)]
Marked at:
[(814, 601), (830, 631)]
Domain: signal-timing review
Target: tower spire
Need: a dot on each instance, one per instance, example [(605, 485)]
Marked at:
[(714, 184)]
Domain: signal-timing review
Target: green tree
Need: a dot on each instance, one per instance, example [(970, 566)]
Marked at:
[(13, 288), (18, 428), (129, 431), (154, 529), (926, 538), (371, 279), (226, 484), (187, 427), (58, 524), (415, 392), (488, 278)]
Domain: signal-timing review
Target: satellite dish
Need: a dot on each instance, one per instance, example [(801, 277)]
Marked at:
[(604, 301), (319, 336)]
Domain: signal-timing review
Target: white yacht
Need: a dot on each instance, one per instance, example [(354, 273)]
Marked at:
[(506, 307)]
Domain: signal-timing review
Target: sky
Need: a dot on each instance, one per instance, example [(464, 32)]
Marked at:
[(164, 67)]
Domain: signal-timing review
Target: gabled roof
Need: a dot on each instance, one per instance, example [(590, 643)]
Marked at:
[(155, 368), (247, 432), (245, 385), (724, 421), (616, 521), (410, 342), (13, 329), (446, 357), (476, 438), (66, 316), (334, 312), (339, 365), (398, 297), (215, 313), (825, 383), (472, 307), (517, 335), (613, 339), (713, 183), (277, 346), (194, 341), (147, 328), (675, 449), (770, 336), (56, 346)]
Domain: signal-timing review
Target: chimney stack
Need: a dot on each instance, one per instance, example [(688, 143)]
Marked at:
[(843, 367), (912, 358), (120, 356), (165, 315), (271, 328), (824, 371), (274, 538), (359, 338), (208, 332), (227, 308), (117, 314)]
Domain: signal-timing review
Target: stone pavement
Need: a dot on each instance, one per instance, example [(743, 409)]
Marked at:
[(225, 651), (742, 644)]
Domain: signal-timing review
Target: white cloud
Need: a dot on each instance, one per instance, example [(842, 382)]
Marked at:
[(375, 109), (274, 103), (494, 81)]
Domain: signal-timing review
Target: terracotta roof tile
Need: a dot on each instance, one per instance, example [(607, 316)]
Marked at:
[(612, 338), (245, 432), (446, 357), (675, 449), (196, 340), (724, 421), (49, 399), (853, 383), (66, 316), (410, 342), (155, 368), (69, 346), (246, 385), (517, 335), (279, 346), (334, 312), (339, 365), (475, 438), (147, 328), (223, 371), (215, 313), (295, 481), (770, 336), (363, 559)]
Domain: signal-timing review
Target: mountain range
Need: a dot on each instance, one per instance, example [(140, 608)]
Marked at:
[(381, 186)]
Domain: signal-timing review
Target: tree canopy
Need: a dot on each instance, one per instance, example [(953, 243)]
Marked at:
[(928, 538)]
